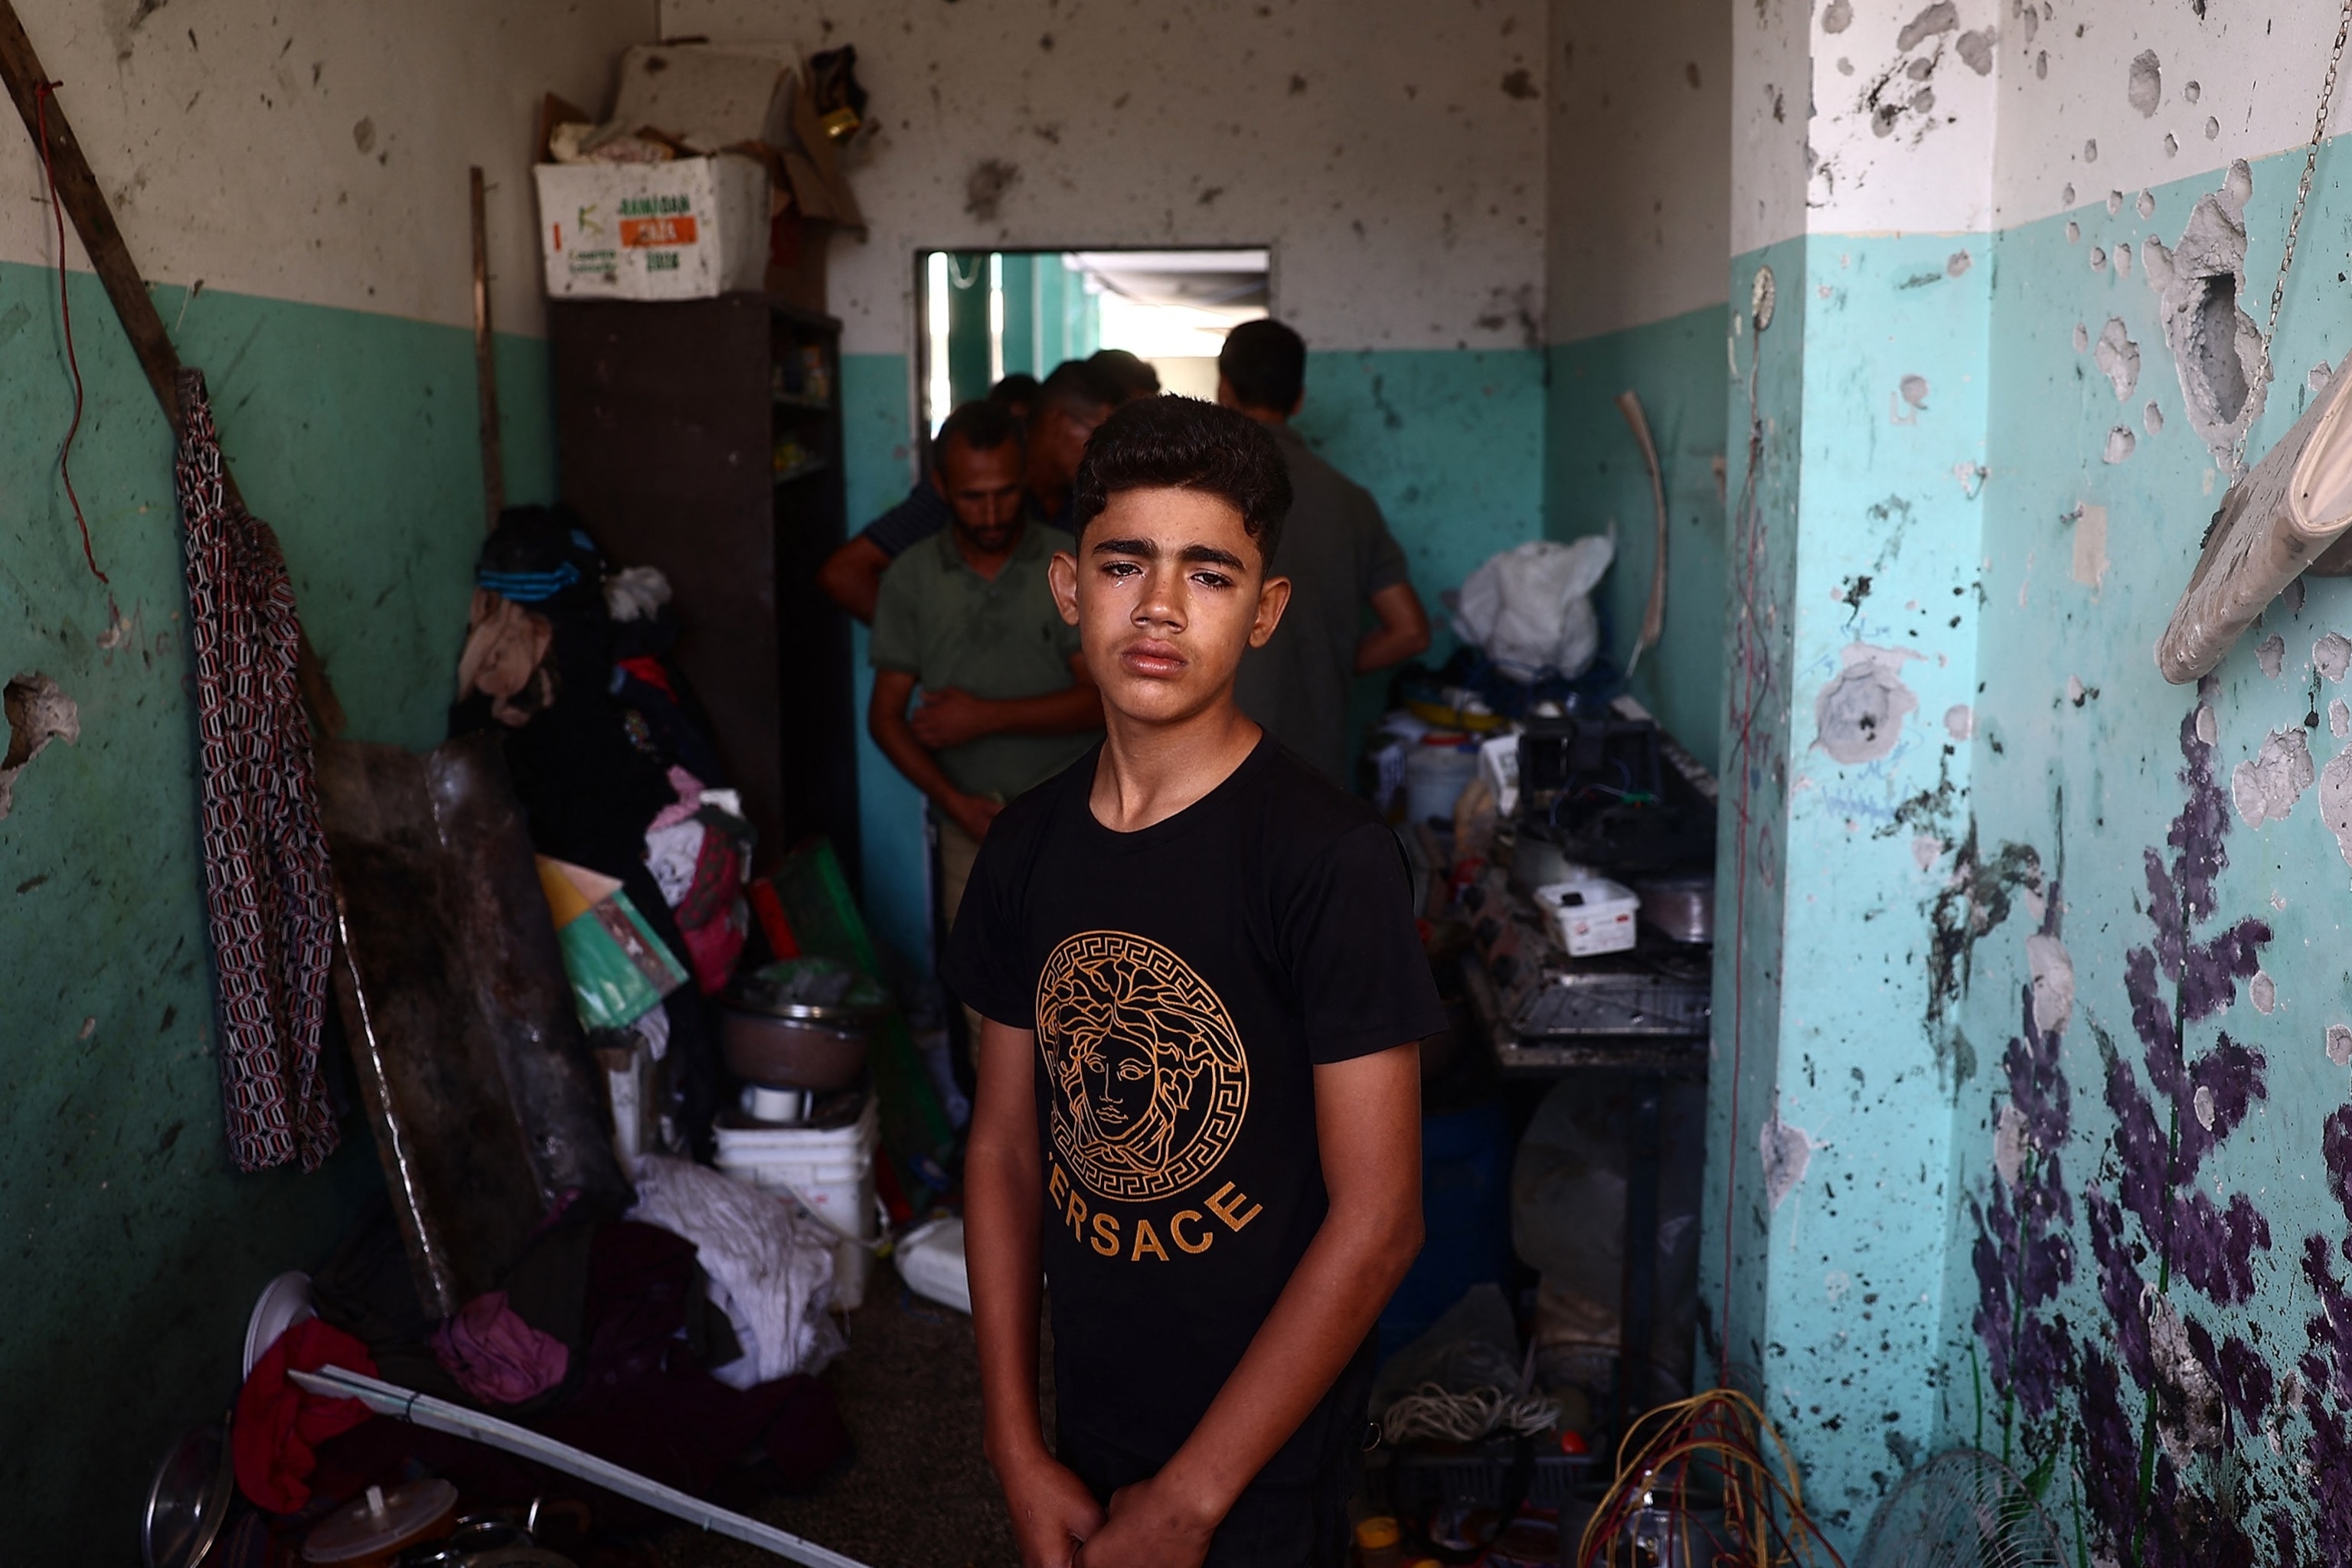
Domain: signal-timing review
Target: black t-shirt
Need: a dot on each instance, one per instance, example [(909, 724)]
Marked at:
[(1184, 980)]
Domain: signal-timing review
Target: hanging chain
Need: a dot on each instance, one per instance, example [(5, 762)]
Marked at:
[(2302, 199)]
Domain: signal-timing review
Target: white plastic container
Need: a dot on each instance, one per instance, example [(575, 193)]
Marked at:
[(930, 1260), (830, 1171), (682, 230), (1434, 778), (1591, 916)]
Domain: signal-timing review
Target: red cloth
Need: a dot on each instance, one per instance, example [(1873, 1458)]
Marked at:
[(713, 918), (277, 1425)]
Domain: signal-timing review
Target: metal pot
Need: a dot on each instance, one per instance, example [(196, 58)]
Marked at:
[(793, 1044)]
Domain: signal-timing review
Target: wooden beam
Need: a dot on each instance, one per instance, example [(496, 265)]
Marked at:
[(85, 204), (486, 365)]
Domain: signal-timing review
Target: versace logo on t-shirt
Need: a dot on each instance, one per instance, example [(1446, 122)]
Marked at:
[(1147, 1088)]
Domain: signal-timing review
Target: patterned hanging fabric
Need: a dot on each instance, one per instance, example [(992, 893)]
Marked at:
[(266, 873)]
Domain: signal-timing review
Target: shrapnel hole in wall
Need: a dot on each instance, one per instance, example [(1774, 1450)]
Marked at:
[(37, 711), (2214, 360)]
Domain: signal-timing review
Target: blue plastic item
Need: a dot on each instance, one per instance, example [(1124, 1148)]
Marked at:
[(1465, 1204)]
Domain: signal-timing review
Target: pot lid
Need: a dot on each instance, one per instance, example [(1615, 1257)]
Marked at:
[(379, 1522), (188, 1501)]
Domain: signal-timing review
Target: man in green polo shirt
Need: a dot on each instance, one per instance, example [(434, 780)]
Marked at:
[(966, 617)]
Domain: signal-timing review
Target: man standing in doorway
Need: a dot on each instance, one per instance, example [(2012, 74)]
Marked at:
[(966, 616), (1339, 557), (1063, 412)]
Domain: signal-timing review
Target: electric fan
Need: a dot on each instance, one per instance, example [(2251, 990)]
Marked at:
[(1963, 1509)]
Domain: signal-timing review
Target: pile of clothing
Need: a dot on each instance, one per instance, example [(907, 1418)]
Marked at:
[(567, 660), (679, 1339)]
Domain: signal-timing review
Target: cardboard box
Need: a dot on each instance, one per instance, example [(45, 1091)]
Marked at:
[(681, 230)]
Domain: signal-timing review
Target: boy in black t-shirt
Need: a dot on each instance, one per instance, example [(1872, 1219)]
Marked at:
[(1199, 1106)]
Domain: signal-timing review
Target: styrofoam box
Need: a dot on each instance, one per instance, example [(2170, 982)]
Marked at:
[(829, 1170), (1591, 916), (682, 230)]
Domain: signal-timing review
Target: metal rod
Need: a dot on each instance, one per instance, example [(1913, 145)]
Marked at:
[(439, 1415), (485, 363)]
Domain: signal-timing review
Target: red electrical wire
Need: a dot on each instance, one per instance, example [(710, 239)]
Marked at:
[(42, 93), (1752, 513)]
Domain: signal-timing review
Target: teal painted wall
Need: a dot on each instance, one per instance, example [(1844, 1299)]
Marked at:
[(1765, 399), (2030, 1016), (2084, 764), (1450, 443), (1594, 479), (134, 1252), (1868, 538), (879, 448)]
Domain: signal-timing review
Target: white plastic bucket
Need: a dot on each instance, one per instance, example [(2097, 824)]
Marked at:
[(1434, 778), (830, 1171)]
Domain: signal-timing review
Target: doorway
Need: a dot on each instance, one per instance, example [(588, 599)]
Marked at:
[(988, 314)]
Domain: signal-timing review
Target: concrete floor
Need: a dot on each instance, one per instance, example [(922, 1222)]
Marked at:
[(916, 1494)]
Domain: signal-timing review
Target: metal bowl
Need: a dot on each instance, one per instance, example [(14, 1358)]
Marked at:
[(792, 1052)]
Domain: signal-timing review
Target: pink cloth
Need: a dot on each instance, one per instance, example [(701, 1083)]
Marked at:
[(498, 1357), (689, 802)]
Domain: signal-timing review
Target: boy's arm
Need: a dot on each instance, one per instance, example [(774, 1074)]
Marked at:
[(885, 720), (1368, 1131), (1052, 1510), (951, 717)]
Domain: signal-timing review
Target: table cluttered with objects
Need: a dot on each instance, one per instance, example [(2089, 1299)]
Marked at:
[(1566, 865)]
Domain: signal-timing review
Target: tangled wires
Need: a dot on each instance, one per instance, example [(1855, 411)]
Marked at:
[(1691, 1456), (1429, 1411)]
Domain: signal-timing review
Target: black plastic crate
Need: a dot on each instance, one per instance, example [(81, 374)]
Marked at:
[(1420, 1477)]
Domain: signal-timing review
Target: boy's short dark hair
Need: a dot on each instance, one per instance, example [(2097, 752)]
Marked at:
[(1182, 443), (982, 425), (1265, 365)]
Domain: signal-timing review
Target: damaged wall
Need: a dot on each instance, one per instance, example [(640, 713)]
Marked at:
[(1862, 148), (307, 164), (1639, 176), (2155, 1182), (2100, 913), (1394, 161)]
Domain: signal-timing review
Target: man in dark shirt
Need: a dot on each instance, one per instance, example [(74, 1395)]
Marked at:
[(1199, 1095), (1065, 410), (1339, 557)]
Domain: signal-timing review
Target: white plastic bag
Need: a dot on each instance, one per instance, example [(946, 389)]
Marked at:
[(770, 1267), (1530, 609), (930, 1260)]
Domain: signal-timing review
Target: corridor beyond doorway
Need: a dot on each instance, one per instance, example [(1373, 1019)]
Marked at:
[(990, 314)]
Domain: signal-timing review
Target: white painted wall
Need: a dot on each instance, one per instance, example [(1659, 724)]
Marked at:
[(1863, 117), (2065, 84), (228, 135), (1640, 162), (1958, 149), (1391, 155)]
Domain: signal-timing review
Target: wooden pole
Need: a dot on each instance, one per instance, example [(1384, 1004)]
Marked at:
[(102, 238), (486, 365)]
